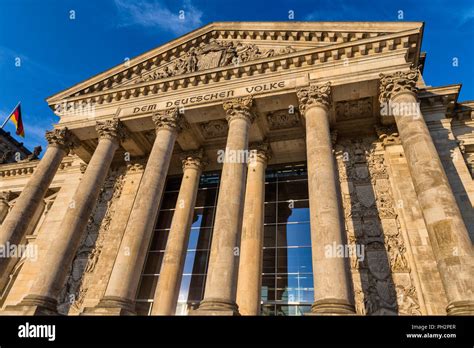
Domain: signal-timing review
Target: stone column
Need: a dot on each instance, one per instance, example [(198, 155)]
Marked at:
[(448, 235), (121, 290), (332, 294), (5, 197), (49, 283), (18, 220), (221, 283), (169, 282), (249, 282)]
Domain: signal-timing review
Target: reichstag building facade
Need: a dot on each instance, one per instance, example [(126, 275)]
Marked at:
[(249, 169)]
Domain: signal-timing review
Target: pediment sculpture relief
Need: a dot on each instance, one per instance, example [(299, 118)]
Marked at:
[(213, 55)]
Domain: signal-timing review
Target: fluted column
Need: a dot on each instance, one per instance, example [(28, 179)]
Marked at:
[(221, 282), (169, 282), (249, 281), (332, 293), (123, 283), (5, 197), (49, 283), (18, 220), (448, 235)]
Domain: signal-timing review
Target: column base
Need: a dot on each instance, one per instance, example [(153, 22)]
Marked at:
[(460, 308), (332, 306), (216, 307), (111, 306), (33, 305)]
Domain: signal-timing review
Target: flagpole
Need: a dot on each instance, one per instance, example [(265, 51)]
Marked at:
[(9, 115)]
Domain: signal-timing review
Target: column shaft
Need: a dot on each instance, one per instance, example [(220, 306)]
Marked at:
[(249, 281), (221, 282), (448, 235), (332, 293), (16, 223), (169, 282), (123, 283), (4, 206), (50, 281)]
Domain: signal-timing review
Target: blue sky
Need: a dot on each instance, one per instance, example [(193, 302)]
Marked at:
[(56, 51)]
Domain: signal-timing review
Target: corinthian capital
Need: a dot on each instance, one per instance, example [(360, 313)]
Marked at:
[(260, 151), (111, 129), (62, 138), (314, 95), (239, 108), (168, 119), (194, 159), (6, 196), (399, 82)]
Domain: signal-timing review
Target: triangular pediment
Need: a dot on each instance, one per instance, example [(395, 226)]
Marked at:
[(233, 44)]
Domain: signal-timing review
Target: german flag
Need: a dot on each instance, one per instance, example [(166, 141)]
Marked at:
[(15, 116)]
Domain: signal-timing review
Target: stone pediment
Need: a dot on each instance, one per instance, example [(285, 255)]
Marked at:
[(227, 50)]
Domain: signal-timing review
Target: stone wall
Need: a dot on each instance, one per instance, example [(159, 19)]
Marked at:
[(387, 279)]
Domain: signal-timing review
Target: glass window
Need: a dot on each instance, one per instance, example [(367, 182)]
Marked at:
[(206, 197), (164, 219), (203, 217), (269, 260), (153, 262), (294, 260), (293, 211), (147, 287), (294, 235), (292, 190)]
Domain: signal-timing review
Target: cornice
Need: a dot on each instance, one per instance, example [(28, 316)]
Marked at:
[(340, 47), (27, 168)]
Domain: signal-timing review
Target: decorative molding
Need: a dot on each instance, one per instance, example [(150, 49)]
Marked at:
[(283, 119), (354, 109), (111, 129), (194, 159), (388, 135), (239, 108), (27, 168), (214, 129), (346, 45), (260, 151), (314, 95), (62, 138), (6, 196), (399, 82), (169, 119)]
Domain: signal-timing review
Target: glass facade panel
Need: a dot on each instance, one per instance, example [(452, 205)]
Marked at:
[(287, 279)]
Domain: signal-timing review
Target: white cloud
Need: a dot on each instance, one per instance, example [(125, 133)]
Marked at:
[(154, 14)]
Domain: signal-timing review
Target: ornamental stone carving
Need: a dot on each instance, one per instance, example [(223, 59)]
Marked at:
[(212, 55), (354, 109), (62, 138), (111, 129), (169, 119), (283, 119), (6, 196), (214, 129), (239, 108), (399, 82), (314, 95), (193, 159), (372, 226), (260, 151)]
